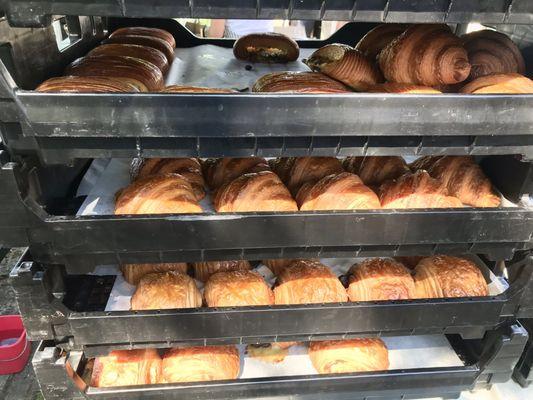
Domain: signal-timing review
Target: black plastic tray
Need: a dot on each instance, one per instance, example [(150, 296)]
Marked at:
[(523, 372)]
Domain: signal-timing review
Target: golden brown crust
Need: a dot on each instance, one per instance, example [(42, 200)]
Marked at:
[(148, 54), (278, 265), (194, 89), (299, 82), (380, 279), (345, 64), (86, 84), (374, 170), (378, 38), (142, 40), (134, 272), (499, 84), (145, 31), (352, 355), (416, 190), (446, 276), (425, 54), (201, 363), (203, 270), (272, 353), (307, 282), (237, 289), (266, 47), (221, 171), (409, 261), (158, 194), (163, 290), (260, 191), (402, 88), (127, 367)]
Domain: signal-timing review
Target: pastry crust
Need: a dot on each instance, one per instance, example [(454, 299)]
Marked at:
[(380, 279), (142, 40), (203, 270), (446, 276), (499, 84), (237, 289), (278, 265), (378, 38), (134, 272), (221, 171), (308, 282), (194, 89), (374, 170), (298, 82), (345, 356), (266, 47), (202, 363), (164, 290), (146, 31), (148, 54), (87, 84), (127, 367), (271, 353)]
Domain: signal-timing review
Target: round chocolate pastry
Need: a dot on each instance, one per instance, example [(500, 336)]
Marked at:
[(266, 48)]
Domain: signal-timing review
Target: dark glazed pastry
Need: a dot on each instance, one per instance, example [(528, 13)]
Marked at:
[(266, 47)]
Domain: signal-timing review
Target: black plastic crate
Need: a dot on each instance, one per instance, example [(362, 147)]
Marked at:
[(523, 370)]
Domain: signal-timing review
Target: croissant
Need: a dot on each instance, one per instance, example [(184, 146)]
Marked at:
[(307, 282), (299, 82), (237, 289), (463, 178), (194, 89), (158, 194), (491, 52), (446, 276), (416, 190), (380, 279), (162, 290), (343, 191), (189, 168), (127, 367), (272, 353), (260, 191), (144, 31), (134, 272), (201, 363), (142, 40), (203, 270), (499, 84), (278, 265), (425, 54), (345, 64), (220, 171), (403, 88), (374, 170), (352, 355), (148, 54), (266, 47), (378, 38), (87, 84)]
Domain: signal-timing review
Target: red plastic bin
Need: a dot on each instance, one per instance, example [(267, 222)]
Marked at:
[(15, 348)]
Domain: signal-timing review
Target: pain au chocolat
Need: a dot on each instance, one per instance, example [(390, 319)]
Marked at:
[(203, 270), (148, 54), (237, 289), (298, 82), (143, 40), (145, 31), (134, 272), (87, 84), (266, 48)]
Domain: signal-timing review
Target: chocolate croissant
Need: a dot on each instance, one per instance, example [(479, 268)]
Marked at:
[(298, 82), (194, 89), (259, 191), (163, 290), (345, 64), (463, 178), (416, 190), (346, 356), (158, 194), (378, 38), (344, 191), (237, 289), (200, 363), (374, 170), (491, 52), (499, 84), (203, 270), (142, 40), (134, 272), (145, 31), (425, 54), (266, 48), (402, 88), (446, 276), (87, 84), (189, 168), (307, 282), (380, 279), (220, 171), (148, 54), (278, 265)]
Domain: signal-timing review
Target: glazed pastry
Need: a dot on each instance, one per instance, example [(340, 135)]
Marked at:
[(158, 194), (163, 290), (345, 64), (189, 168), (220, 171), (237, 289), (446, 276), (499, 84), (142, 40), (463, 178), (425, 54), (416, 190), (402, 88), (307, 282), (148, 54), (380, 279), (374, 170), (352, 355), (201, 363), (134, 272), (86, 84), (271, 353), (143, 75), (203, 270), (145, 31), (266, 47), (126, 367), (343, 191), (278, 265), (194, 89), (260, 191), (378, 38), (491, 52), (298, 82)]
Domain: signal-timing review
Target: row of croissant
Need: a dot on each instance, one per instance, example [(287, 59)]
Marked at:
[(235, 284), (304, 183)]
